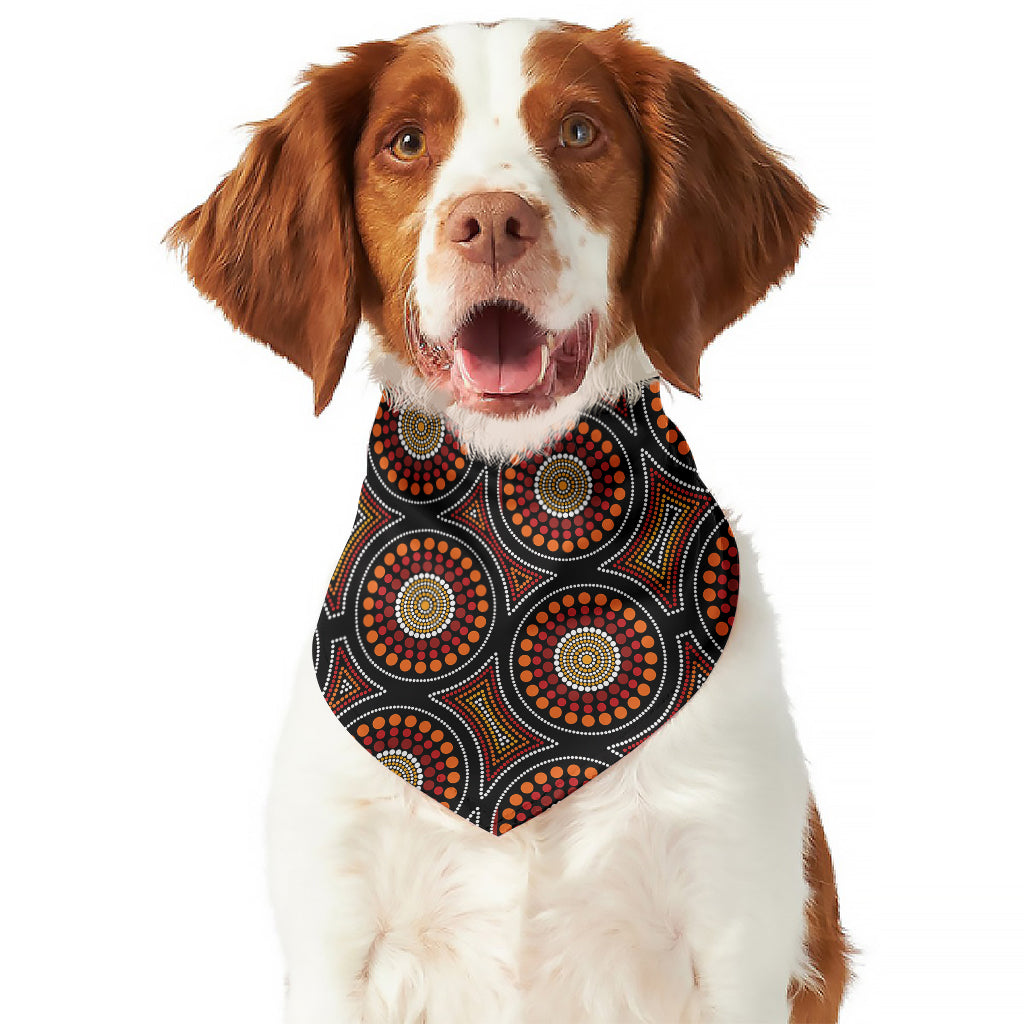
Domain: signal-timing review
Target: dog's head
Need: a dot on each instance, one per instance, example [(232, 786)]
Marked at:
[(524, 213)]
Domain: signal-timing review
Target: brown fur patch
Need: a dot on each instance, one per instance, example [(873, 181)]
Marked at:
[(274, 244), (828, 947), (723, 219), (415, 89), (603, 182)]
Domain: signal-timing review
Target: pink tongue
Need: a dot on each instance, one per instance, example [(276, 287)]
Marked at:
[(501, 351)]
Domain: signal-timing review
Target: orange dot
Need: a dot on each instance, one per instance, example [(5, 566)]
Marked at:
[(671, 437), (380, 650), (508, 813), (721, 543), (395, 720), (542, 702), (403, 484), (451, 658), (527, 787), (410, 720), (713, 612), (452, 762), (555, 711), (583, 427), (424, 726), (446, 747), (647, 641), (633, 702), (436, 666), (588, 720), (571, 718), (450, 792), (722, 628), (573, 769), (643, 689), (552, 545), (583, 543), (437, 735), (556, 771), (405, 665), (362, 730), (662, 421), (538, 539), (371, 637), (378, 722), (604, 718), (590, 772), (709, 594), (391, 659), (621, 712), (629, 613), (515, 798), (709, 576), (714, 558), (454, 776), (505, 827), (540, 778)]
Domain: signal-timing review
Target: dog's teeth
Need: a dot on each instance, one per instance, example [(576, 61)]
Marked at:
[(545, 359)]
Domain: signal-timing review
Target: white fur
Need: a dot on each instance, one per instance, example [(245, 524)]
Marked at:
[(493, 151), (670, 888)]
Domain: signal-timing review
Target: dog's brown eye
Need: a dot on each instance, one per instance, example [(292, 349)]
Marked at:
[(577, 132), (409, 144)]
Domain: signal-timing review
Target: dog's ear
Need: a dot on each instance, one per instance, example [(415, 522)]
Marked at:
[(723, 219), (275, 245)]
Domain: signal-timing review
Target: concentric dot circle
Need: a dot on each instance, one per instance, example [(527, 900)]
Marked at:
[(587, 658), (563, 485), (421, 435), (403, 764), (538, 789), (415, 453), (418, 750), (425, 605), (571, 500), (721, 583), (588, 661)]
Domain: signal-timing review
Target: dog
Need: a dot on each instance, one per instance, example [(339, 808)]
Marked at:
[(535, 220)]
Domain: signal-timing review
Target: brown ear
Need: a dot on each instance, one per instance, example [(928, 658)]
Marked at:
[(723, 218), (275, 245)]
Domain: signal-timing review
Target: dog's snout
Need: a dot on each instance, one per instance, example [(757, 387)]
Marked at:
[(493, 227)]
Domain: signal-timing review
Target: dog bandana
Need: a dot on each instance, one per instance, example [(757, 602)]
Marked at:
[(498, 635)]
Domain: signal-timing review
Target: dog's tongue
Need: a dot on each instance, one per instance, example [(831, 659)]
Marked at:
[(501, 351)]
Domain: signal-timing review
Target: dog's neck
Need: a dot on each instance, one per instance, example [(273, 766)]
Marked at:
[(494, 439)]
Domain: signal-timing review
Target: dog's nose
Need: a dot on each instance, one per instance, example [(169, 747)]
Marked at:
[(493, 227)]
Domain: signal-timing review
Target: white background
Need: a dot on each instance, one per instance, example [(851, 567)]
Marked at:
[(172, 510)]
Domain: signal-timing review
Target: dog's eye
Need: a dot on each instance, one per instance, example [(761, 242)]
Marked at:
[(409, 144), (577, 132)]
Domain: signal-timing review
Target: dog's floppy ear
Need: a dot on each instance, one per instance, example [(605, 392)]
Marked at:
[(275, 245), (723, 219)]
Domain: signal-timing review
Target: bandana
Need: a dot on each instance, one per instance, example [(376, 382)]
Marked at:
[(499, 635)]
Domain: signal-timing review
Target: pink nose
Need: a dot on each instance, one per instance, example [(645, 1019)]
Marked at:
[(492, 227)]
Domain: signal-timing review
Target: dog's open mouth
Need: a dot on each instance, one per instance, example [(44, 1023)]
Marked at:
[(500, 358)]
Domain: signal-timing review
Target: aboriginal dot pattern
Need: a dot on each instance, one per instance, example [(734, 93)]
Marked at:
[(497, 636)]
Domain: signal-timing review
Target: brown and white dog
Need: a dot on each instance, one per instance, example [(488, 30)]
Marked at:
[(598, 208)]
